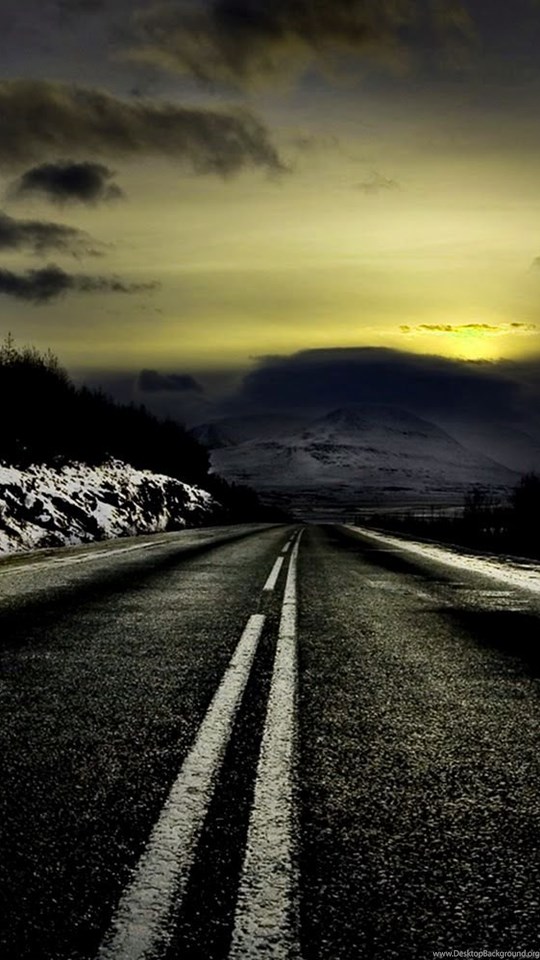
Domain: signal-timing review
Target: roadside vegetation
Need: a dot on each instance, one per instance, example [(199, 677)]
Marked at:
[(49, 420), (485, 522)]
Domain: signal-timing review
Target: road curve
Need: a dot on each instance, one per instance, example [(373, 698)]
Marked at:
[(230, 744)]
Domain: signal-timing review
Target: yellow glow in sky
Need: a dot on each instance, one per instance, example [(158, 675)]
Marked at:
[(346, 250)]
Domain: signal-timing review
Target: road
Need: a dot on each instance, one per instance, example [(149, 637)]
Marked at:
[(265, 742)]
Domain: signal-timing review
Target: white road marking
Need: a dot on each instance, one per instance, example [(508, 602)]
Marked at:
[(289, 544), (85, 558), (70, 561), (266, 920), (144, 919), (60, 561), (272, 579)]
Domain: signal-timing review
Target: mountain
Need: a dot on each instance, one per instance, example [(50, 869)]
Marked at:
[(506, 442), (360, 454), (46, 506), (231, 431)]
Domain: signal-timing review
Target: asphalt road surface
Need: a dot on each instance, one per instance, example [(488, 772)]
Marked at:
[(265, 742)]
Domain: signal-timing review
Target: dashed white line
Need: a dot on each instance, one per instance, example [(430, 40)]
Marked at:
[(266, 920), (287, 547), (143, 924), (273, 578)]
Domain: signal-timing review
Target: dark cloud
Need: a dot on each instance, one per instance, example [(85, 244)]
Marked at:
[(241, 40), (150, 381), (61, 183), (41, 237), (309, 142), (376, 183), (429, 385), (80, 6), (458, 328), (40, 120), (49, 283)]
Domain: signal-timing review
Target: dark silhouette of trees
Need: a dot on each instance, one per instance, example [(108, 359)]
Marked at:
[(485, 522), (240, 502), (525, 515), (48, 420)]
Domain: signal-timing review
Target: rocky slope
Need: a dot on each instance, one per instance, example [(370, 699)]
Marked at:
[(45, 506)]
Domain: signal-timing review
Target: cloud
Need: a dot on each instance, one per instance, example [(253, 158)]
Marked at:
[(41, 237), (428, 385), (41, 120), (51, 282), (310, 142), (150, 381), (376, 183), (80, 6), (459, 328), (499, 329), (238, 41), (84, 182)]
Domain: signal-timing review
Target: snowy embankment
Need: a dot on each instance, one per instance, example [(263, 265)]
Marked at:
[(76, 503), (507, 570)]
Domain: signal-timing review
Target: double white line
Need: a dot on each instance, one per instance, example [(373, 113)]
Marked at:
[(266, 920)]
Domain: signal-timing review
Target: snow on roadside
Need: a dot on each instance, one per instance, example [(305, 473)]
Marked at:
[(512, 572), (54, 506)]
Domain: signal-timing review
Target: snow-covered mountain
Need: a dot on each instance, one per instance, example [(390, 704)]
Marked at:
[(45, 506), (506, 442), (231, 431), (364, 453)]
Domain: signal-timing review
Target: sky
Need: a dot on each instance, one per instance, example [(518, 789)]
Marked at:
[(196, 191)]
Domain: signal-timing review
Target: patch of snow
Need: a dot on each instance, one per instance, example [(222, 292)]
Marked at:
[(512, 572), (46, 506)]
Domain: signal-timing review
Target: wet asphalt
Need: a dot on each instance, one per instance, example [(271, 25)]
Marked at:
[(418, 753)]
